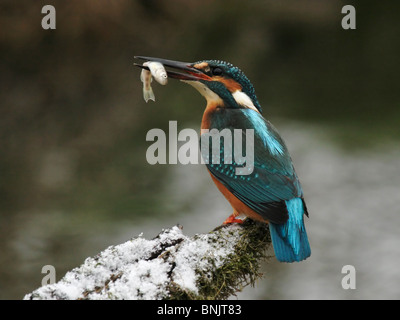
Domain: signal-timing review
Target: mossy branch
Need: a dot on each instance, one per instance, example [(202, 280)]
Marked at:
[(171, 266)]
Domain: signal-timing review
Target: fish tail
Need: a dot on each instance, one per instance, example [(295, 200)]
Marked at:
[(148, 94)]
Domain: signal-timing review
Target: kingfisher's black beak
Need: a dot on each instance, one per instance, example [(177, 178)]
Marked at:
[(191, 73)]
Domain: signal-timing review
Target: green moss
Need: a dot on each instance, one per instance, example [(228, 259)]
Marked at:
[(240, 269)]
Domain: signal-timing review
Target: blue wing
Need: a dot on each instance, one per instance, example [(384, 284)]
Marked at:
[(273, 179)]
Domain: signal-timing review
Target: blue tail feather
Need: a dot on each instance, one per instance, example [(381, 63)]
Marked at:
[(290, 239)]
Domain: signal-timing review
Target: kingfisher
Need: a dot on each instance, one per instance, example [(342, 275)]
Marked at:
[(272, 192)]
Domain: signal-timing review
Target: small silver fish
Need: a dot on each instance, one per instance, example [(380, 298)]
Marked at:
[(158, 72), (145, 77)]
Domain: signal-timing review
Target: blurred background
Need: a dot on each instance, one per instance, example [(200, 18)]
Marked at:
[(73, 172)]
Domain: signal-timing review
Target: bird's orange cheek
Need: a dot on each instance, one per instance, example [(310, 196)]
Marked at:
[(230, 84)]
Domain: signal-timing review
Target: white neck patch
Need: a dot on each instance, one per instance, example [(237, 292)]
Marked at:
[(244, 100)]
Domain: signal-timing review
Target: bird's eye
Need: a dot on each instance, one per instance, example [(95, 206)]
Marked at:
[(217, 71)]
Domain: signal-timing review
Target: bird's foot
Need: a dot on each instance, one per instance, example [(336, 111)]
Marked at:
[(235, 219)]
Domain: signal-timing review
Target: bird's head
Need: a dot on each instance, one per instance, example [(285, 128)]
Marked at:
[(218, 81)]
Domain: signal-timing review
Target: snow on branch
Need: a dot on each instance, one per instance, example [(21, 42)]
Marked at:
[(215, 265)]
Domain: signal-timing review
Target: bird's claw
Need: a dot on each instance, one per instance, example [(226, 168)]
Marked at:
[(232, 219)]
